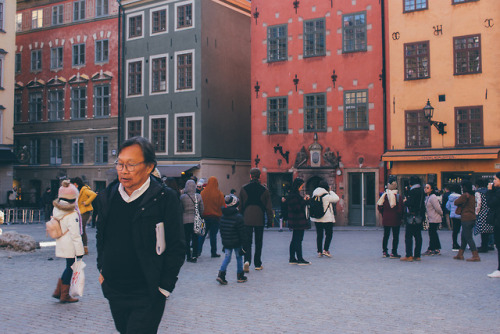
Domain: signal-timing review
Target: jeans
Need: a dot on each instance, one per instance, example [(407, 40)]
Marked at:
[(434, 243), (68, 272), (457, 224), (328, 228), (296, 244), (190, 236), (212, 226), (395, 238), (227, 259), (467, 238), (247, 246), (413, 231)]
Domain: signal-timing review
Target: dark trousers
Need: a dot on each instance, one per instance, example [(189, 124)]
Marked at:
[(413, 231), (467, 227), (497, 242), (457, 225), (68, 272), (85, 219), (296, 245), (395, 238), (190, 237), (328, 231), (259, 236), (434, 243), (212, 226), (485, 239)]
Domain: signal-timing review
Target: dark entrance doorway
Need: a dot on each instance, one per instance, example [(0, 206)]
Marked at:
[(362, 199)]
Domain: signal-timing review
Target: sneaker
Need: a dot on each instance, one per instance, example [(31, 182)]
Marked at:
[(428, 253), (407, 259), (395, 256), (495, 274), (327, 253), (246, 267), (303, 262), (293, 261), (417, 259), (436, 252), (258, 268), (454, 249), (385, 254), (320, 254)]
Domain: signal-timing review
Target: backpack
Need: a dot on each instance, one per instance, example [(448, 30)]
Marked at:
[(53, 227), (316, 206)]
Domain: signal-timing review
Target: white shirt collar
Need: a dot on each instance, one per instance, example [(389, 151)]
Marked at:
[(136, 193)]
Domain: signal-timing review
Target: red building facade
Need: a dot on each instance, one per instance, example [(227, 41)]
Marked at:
[(317, 105)]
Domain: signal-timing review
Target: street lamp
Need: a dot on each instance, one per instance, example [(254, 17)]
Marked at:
[(428, 113)]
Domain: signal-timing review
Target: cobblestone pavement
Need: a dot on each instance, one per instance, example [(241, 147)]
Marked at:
[(355, 291)]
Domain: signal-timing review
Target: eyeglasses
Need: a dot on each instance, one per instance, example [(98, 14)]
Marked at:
[(130, 167)]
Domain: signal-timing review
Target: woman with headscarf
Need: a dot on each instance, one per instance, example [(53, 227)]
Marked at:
[(390, 205), (189, 199), (213, 202)]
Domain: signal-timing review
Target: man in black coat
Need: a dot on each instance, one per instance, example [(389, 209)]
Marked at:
[(414, 218)]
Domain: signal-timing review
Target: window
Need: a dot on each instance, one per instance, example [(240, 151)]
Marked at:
[(463, 1), (184, 65), (101, 101), (2, 15), (55, 152), (417, 60), (18, 110), (467, 54), (35, 106), (79, 10), (56, 57), (277, 43), (314, 38), (277, 115), (418, 129), (413, 5), (19, 22), (159, 20), (77, 151), (34, 151), (354, 32), (315, 112), (56, 105), (134, 127), (102, 51), (18, 63), (36, 60), (184, 15), (184, 134), (469, 126), (356, 110), (135, 26), (78, 55), (36, 19), (101, 8), (57, 15), (159, 74), (134, 78), (101, 150), (158, 128), (78, 103)]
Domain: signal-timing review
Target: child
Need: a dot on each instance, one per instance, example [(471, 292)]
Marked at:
[(231, 232)]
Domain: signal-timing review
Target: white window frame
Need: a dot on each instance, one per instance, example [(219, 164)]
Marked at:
[(102, 7), (151, 58), (175, 71), (79, 4), (101, 42), (127, 31), (142, 77), (128, 119), (79, 46), (151, 132), (56, 49), (102, 97), (60, 12), (175, 133), (157, 9), (55, 151), (179, 4), (38, 60), (77, 141), (2, 65), (39, 18), (19, 22), (2, 17)]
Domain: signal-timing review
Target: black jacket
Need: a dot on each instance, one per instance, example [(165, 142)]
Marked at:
[(416, 202), (159, 204), (231, 228), (493, 202)]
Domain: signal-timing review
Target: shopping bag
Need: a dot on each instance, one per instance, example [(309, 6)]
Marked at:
[(78, 279)]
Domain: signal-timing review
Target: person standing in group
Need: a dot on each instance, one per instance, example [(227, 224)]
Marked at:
[(446, 213), (493, 201), (390, 205), (140, 240), (434, 217), (454, 216), (297, 221), (189, 199), (482, 210), (85, 200), (47, 199), (466, 204), (255, 200), (232, 234), (213, 202), (414, 219), (324, 224), (70, 244)]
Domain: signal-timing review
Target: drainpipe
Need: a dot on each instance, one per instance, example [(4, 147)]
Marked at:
[(384, 83), (120, 71)]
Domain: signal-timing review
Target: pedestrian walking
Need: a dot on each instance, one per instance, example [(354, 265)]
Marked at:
[(434, 218), (140, 240), (482, 226), (189, 199), (70, 244), (390, 205), (324, 224), (85, 200), (415, 205), (213, 202), (255, 200), (454, 216), (493, 201), (466, 206), (232, 234)]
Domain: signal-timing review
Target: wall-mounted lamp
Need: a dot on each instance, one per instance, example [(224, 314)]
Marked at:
[(257, 88), (428, 113), (256, 15), (257, 160), (296, 82), (334, 78), (296, 5)]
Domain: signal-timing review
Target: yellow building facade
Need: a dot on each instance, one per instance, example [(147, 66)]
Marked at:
[(444, 52)]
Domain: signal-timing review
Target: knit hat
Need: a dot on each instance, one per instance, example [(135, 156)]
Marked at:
[(68, 191), (231, 200)]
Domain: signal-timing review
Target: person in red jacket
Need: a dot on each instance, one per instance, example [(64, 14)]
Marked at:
[(390, 206), (213, 202)]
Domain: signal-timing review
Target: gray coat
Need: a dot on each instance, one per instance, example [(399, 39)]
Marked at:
[(187, 202)]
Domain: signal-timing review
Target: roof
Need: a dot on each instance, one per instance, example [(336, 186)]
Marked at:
[(442, 154)]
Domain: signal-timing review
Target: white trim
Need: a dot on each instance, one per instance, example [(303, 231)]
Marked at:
[(151, 58), (142, 77), (192, 51), (127, 30), (139, 118), (192, 14), (2, 74), (193, 133), (151, 21), (166, 132)]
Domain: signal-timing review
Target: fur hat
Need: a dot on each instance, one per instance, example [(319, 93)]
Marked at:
[(68, 191), (231, 200)]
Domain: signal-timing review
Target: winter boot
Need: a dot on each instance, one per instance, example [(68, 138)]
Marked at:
[(460, 255), (86, 249), (475, 257), (57, 291), (241, 277), (222, 278), (65, 297)]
